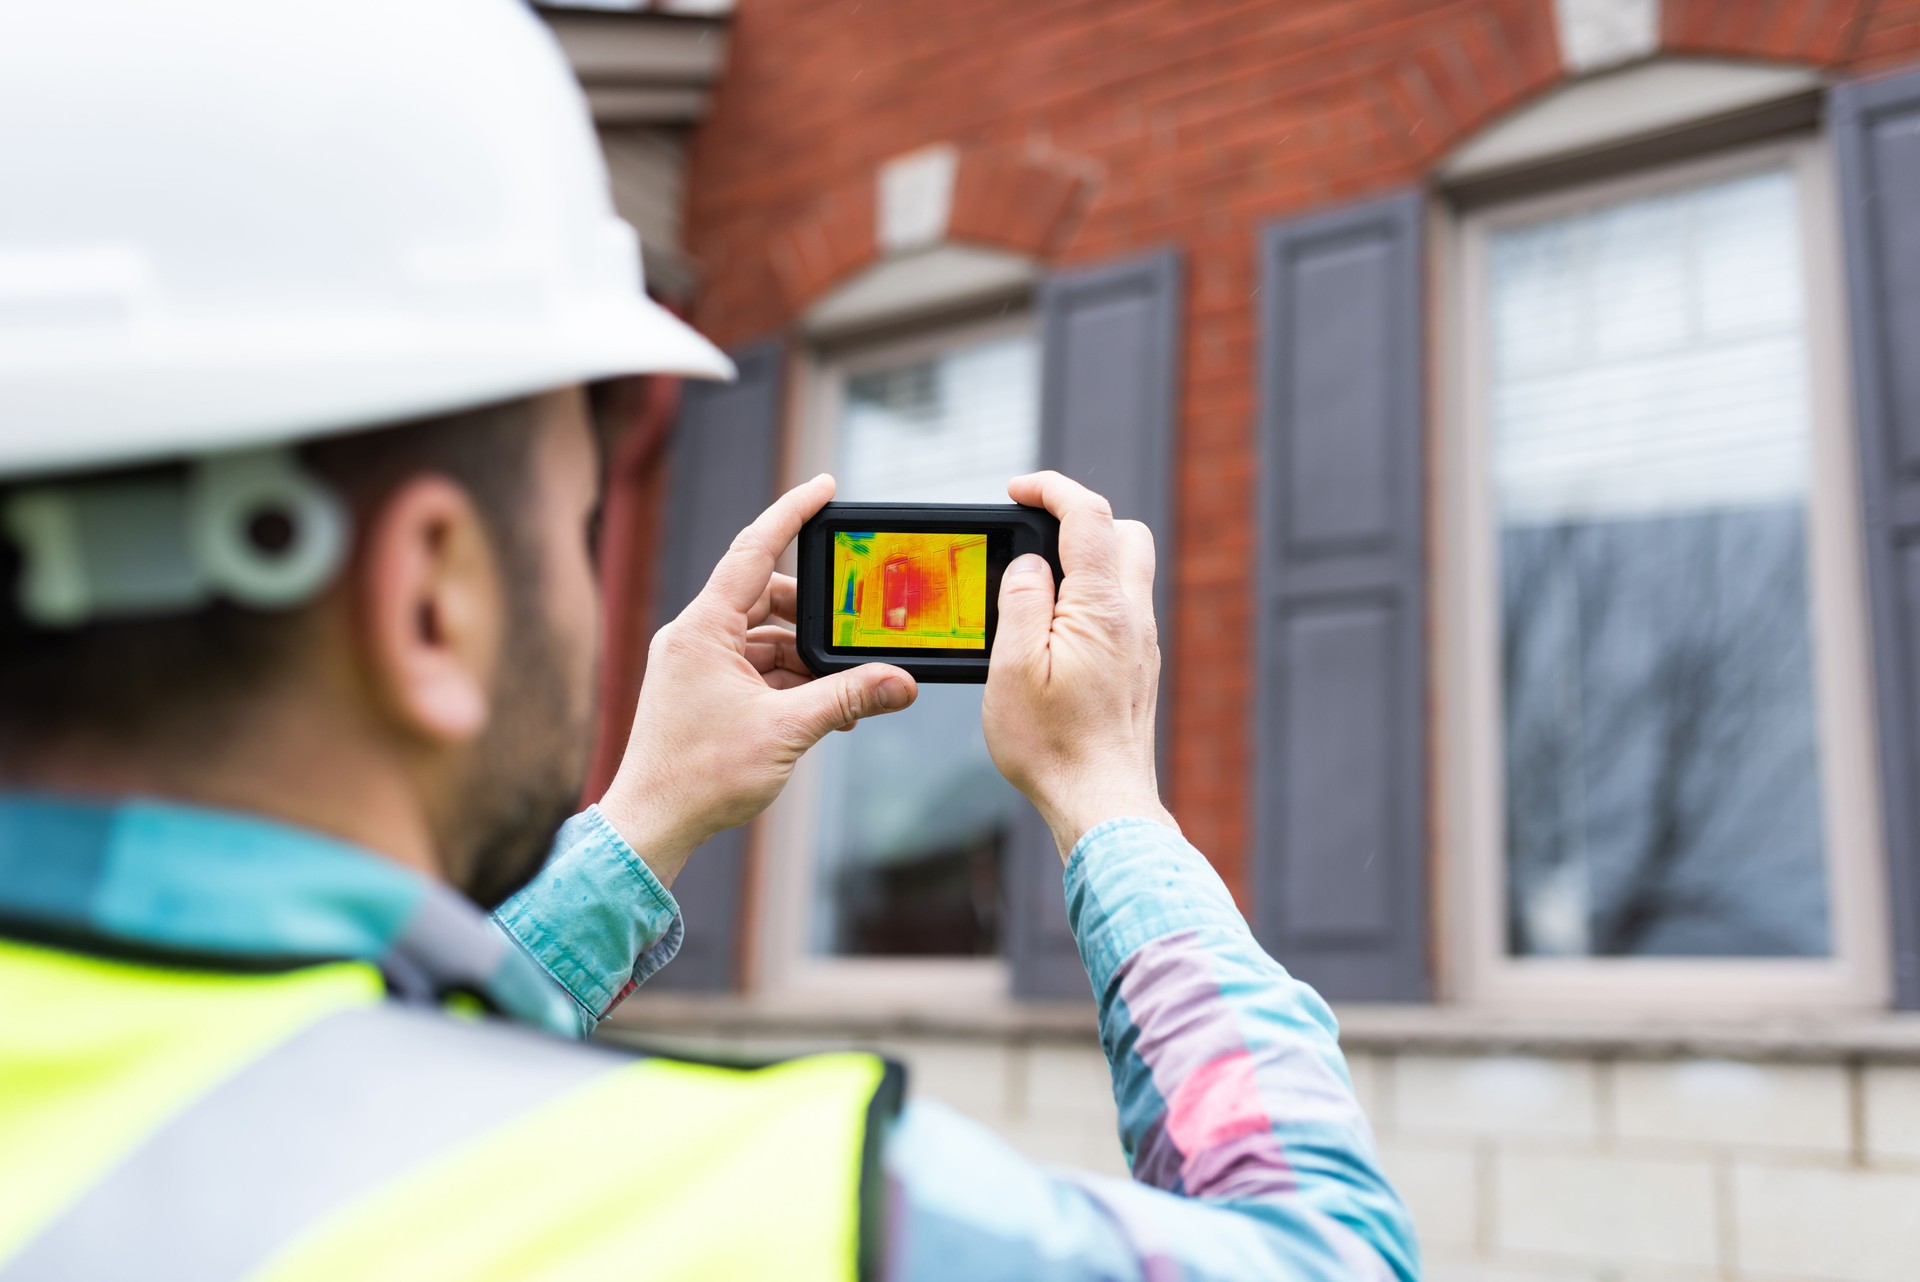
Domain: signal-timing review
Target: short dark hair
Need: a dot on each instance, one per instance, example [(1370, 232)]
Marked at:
[(187, 675)]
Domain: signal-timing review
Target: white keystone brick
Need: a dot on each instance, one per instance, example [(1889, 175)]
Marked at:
[(970, 1076), (1437, 1181), (1893, 1113), (1603, 33), (1839, 1225), (1735, 1105), (1069, 1084), (915, 198), (1605, 1210), (1494, 1096)]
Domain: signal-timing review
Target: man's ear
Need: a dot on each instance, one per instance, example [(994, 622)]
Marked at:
[(432, 611)]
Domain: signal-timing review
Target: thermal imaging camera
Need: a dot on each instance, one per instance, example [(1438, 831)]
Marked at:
[(916, 585)]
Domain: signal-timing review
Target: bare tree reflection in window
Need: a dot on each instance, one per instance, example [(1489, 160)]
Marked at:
[(1651, 427), (1661, 764)]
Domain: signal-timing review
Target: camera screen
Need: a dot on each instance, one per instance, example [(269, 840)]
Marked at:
[(909, 591)]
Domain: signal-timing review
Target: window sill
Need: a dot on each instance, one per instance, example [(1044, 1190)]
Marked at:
[(1880, 1037), (852, 1018), (1365, 1030)]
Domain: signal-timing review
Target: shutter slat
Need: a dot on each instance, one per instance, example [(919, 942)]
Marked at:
[(1876, 129), (1339, 878), (720, 475), (1109, 347)]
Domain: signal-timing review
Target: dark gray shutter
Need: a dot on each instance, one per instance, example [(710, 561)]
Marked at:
[(1339, 787), (1109, 346), (721, 472), (1876, 128)]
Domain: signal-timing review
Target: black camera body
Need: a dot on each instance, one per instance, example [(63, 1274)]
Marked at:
[(916, 585)]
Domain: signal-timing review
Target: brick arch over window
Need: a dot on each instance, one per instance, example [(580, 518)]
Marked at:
[(1001, 201), (1472, 71), (1838, 31)]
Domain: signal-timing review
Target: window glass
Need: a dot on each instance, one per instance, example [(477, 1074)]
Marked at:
[(1651, 465), (913, 818)]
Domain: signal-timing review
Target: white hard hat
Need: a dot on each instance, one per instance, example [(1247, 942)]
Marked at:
[(236, 223)]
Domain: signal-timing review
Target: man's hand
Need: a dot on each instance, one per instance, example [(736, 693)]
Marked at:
[(1072, 682), (727, 707)]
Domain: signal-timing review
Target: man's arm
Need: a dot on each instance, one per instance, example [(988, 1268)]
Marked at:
[(1236, 1113), (726, 710), (1250, 1154), (596, 920), (1251, 1157)]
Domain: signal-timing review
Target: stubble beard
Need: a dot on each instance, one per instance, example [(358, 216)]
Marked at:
[(529, 769)]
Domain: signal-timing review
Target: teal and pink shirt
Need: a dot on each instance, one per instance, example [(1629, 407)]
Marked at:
[(1250, 1156)]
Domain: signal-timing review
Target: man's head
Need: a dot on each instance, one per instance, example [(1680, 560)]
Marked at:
[(433, 702), (198, 287)]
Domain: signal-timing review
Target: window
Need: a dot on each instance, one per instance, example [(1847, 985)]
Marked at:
[(1668, 738), (892, 839)]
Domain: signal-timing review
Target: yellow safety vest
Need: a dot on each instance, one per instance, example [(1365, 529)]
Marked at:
[(168, 1123)]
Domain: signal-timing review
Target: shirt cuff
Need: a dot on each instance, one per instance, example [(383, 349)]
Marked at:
[(596, 918), (1132, 881)]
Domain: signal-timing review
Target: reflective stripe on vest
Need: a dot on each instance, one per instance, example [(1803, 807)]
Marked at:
[(161, 1125)]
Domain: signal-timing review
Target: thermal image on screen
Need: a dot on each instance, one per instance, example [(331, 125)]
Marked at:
[(910, 591)]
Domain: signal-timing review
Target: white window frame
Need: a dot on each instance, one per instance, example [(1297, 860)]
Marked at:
[(781, 965), (1476, 967)]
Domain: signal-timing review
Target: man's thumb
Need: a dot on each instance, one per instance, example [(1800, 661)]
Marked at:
[(845, 697), (1026, 609)]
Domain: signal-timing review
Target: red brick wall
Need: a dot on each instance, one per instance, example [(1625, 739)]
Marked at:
[(1098, 128)]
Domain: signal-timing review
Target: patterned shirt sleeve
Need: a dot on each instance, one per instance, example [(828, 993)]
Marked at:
[(1250, 1155), (596, 919)]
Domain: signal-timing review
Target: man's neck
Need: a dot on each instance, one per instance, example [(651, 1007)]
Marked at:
[(291, 778)]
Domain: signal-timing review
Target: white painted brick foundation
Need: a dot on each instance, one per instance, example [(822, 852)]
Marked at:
[(1440, 1180), (1557, 1167), (1728, 1104), (1892, 1115), (1846, 1224), (1512, 1096), (1579, 1205), (1069, 1083)]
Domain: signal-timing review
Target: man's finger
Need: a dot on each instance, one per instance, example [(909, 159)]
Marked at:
[(1136, 562), (827, 703), (1087, 544), (1026, 614), (775, 603), (771, 648), (745, 573)]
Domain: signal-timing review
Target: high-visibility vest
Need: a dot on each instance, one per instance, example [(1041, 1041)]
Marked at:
[(168, 1123)]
